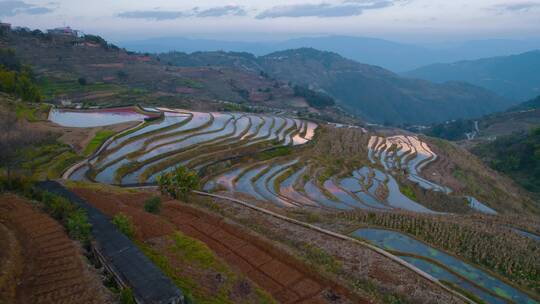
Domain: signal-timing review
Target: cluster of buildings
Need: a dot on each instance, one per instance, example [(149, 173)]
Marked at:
[(59, 31)]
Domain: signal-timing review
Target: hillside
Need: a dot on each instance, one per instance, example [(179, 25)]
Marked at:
[(370, 92), (517, 156), (93, 72), (517, 119), (515, 77), (506, 141)]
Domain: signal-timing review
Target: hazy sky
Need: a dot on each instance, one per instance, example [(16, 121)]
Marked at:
[(394, 19)]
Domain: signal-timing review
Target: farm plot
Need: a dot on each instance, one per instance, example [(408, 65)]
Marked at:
[(52, 268), (287, 182), (445, 267), (283, 277), (406, 153), (409, 155), (192, 139)]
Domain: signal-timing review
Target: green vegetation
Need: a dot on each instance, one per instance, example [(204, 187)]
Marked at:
[(73, 218), (314, 99), (153, 204), (17, 79), (126, 296), (179, 182), (194, 251), (58, 165), (188, 251), (408, 191), (53, 87), (47, 160), (124, 223), (32, 112), (517, 155), (321, 258), (273, 153), (96, 142), (454, 130), (78, 226)]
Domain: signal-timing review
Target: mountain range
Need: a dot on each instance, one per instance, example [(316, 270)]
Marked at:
[(395, 56), (514, 77), (371, 92)]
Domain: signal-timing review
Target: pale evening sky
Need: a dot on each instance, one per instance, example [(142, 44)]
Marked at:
[(252, 19)]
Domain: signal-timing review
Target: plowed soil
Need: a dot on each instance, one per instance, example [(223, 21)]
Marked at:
[(271, 268), (49, 268)]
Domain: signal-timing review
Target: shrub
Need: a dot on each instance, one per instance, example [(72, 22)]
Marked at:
[(78, 226), (60, 208), (408, 192), (126, 296), (124, 223), (179, 182), (152, 204)]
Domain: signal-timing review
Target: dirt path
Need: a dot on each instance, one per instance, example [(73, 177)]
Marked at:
[(274, 270), (53, 270)]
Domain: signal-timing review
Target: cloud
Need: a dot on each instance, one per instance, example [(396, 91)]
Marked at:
[(229, 10), (518, 7), (152, 15), (324, 10), (10, 8)]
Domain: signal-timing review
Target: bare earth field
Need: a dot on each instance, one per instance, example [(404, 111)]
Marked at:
[(280, 261), (43, 264)]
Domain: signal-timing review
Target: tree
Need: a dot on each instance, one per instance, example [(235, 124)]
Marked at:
[(82, 81), (314, 99), (179, 182)]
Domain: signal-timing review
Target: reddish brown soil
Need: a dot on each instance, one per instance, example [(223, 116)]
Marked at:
[(281, 275), (53, 269)]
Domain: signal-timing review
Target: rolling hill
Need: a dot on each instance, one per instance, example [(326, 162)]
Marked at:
[(395, 56), (371, 92), (515, 77), (378, 94)]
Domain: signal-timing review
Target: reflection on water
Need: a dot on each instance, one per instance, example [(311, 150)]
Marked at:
[(396, 241), (90, 119)]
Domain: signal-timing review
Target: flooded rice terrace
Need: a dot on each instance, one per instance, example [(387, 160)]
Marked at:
[(95, 118), (443, 266)]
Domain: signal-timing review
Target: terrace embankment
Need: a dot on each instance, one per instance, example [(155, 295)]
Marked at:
[(42, 265), (293, 264)]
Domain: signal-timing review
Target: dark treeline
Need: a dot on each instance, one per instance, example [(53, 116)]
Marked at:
[(314, 99), (517, 155)]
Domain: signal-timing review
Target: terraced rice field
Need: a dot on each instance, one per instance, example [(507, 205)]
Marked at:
[(289, 183), (52, 268), (191, 139), (444, 266), (409, 155)]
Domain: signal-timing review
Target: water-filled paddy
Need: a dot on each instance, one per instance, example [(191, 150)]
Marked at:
[(91, 119), (399, 242)]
